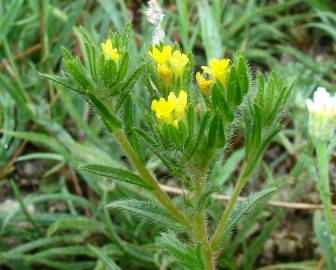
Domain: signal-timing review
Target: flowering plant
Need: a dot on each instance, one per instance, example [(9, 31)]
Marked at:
[(187, 126), (321, 125)]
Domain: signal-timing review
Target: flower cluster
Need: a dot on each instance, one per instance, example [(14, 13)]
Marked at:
[(171, 110), (109, 52), (169, 63), (322, 115), (170, 66)]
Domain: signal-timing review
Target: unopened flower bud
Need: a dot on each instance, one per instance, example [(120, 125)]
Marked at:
[(322, 115)]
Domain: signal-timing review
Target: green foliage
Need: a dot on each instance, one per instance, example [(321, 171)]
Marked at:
[(242, 208), (186, 256), (109, 264), (117, 174), (325, 240), (153, 212)]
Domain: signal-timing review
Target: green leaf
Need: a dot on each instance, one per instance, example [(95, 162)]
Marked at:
[(254, 249), (91, 59), (109, 75), (27, 214), (149, 210), (254, 159), (127, 87), (123, 66), (253, 138), (242, 207), (212, 137), (201, 133), (108, 118), (61, 81), (260, 89), (149, 86), (187, 256), (129, 131), (109, 263), (8, 18), (325, 240), (220, 134), (223, 172), (157, 150), (117, 174), (218, 100), (210, 33), (190, 127), (243, 75), (76, 223), (234, 93), (74, 67)]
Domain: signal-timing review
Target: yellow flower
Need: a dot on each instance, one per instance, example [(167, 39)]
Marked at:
[(109, 52), (203, 83), (179, 61), (180, 103), (163, 109), (218, 69), (171, 110), (165, 73), (161, 57)]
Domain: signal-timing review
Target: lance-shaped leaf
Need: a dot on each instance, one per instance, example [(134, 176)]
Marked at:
[(200, 136), (241, 208), (149, 210), (108, 118), (219, 102), (108, 262), (324, 238), (173, 167), (76, 70), (233, 95), (216, 135), (109, 74), (243, 75), (186, 255), (253, 133), (117, 174), (127, 87), (213, 131), (75, 223), (123, 66)]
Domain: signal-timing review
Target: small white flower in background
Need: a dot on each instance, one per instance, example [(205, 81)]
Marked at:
[(322, 115), (155, 16)]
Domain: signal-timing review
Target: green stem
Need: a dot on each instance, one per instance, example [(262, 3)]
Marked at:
[(143, 171), (323, 185), (200, 226), (243, 178), (202, 236)]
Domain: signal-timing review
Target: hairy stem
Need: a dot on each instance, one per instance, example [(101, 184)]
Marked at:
[(161, 196), (243, 178), (200, 227), (324, 187)]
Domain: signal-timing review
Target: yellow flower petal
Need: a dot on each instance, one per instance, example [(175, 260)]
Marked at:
[(181, 103), (172, 98), (161, 57), (220, 69), (179, 61), (109, 52), (203, 83), (163, 108)]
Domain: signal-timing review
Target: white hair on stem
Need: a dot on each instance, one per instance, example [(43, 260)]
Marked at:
[(155, 16)]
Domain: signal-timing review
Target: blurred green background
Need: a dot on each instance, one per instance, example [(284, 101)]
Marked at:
[(50, 212)]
